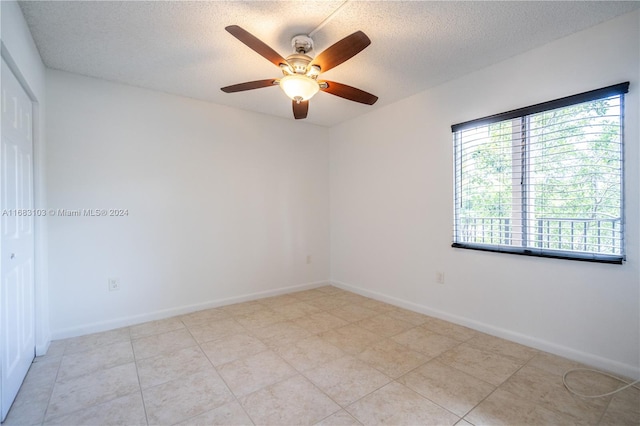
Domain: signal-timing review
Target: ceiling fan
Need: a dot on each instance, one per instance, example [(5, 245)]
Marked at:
[(300, 71)]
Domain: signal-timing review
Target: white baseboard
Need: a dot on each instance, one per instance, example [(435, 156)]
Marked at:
[(43, 347), (610, 365), (97, 327)]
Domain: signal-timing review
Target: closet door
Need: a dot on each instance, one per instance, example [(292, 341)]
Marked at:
[(17, 307)]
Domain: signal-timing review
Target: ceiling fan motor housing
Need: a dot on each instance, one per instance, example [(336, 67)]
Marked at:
[(302, 43), (299, 62)]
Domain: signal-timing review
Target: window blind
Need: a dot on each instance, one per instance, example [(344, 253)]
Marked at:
[(545, 180)]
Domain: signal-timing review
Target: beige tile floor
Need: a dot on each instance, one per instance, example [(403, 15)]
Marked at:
[(323, 356)]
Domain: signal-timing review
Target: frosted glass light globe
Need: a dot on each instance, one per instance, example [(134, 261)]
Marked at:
[(299, 87)]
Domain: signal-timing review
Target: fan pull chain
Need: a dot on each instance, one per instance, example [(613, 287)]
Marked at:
[(327, 19)]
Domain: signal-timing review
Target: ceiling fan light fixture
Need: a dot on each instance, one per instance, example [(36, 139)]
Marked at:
[(300, 71), (299, 87)]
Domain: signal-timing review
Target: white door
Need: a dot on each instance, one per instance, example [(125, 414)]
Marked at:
[(17, 336)]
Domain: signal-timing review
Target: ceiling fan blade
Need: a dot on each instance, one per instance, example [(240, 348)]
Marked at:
[(339, 52), (249, 85), (256, 44), (301, 109), (349, 92)]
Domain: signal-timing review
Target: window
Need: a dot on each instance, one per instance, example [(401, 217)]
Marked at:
[(545, 180)]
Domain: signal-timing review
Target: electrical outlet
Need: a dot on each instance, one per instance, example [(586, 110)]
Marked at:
[(114, 284), (308, 258), (440, 277)]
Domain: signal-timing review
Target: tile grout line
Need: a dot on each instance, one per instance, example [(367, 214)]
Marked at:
[(422, 364), (55, 381), (268, 348), (424, 396), (135, 362), (301, 373), (606, 408), (235, 397), (98, 370), (496, 389)]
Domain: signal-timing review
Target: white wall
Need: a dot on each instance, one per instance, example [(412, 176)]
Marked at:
[(20, 52), (391, 208), (222, 204)]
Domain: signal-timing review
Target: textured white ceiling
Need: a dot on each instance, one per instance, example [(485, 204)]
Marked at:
[(182, 47)]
